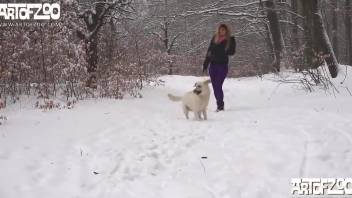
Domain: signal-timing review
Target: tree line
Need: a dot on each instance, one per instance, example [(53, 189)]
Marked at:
[(110, 48)]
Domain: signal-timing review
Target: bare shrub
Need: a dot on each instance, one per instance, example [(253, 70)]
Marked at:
[(310, 69)]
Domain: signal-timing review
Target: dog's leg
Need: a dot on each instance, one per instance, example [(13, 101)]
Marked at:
[(197, 116), (185, 111), (200, 115), (205, 114)]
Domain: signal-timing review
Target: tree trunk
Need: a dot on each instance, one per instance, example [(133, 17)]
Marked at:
[(92, 61), (335, 28), (92, 54), (269, 42), (322, 41), (111, 45), (275, 33), (348, 31), (166, 43), (316, 38), (295, 41), (93, 21), (308, 34)]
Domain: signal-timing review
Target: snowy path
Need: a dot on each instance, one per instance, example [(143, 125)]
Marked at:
[(145, 148)]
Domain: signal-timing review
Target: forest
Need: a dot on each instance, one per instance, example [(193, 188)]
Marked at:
[(113, 99), (110, 48)]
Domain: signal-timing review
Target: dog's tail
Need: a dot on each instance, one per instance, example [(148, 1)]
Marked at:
[(174, 98)]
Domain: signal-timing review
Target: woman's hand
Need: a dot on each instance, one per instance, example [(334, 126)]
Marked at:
[(204, 71), (205, 67)]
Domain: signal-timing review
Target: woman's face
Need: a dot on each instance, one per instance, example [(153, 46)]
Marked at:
[(222, 31)]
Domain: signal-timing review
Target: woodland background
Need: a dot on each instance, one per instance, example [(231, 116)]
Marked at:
[(110, 48)]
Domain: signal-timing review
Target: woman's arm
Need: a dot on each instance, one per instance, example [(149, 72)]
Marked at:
[(232, 46), (208, 56)]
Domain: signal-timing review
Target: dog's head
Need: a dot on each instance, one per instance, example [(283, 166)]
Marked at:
[(201, 87)]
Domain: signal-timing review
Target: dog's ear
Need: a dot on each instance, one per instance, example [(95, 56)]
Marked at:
[(207, 81)]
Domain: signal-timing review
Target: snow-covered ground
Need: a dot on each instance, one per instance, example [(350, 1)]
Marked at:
[(144, 148)]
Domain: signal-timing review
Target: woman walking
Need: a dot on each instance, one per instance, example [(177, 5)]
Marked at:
[(222, 45)]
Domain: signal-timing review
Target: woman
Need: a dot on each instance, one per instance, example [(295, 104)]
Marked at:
[(222, 45)]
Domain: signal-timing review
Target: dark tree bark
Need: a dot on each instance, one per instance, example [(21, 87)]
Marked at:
[(335, 29), (295, 40), (166, 40), (308, 32), (348, 30), (316, 38), (93, 22), (269, 42), (112, 40), (275, 32)]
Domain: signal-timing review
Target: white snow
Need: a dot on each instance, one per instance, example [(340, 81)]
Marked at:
[(146, 148)]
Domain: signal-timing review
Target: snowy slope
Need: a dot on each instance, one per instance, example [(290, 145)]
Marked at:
[(145, 147)]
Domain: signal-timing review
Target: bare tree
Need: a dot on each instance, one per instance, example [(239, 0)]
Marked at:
[(316, 38), (295, 39), (275, 32), (94, 18), (166, 30), (348, 33), (335, 28)]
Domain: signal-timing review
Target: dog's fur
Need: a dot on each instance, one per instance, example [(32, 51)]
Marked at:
[(196, 100)]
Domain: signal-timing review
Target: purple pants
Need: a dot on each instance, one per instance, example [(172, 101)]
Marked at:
[(217, 75)]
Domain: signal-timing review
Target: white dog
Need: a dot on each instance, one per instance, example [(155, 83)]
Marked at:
[(196, 100)]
